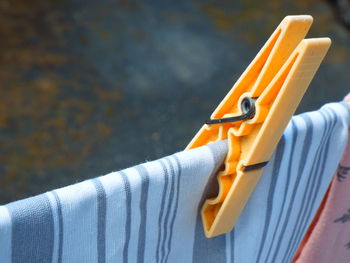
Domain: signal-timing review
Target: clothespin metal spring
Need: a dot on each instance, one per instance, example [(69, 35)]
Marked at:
[(248, 112)]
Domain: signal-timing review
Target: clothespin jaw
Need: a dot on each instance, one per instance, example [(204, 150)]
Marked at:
[(269, 91)]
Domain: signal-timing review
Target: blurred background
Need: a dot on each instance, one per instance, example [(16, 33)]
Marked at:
[(90, 87)]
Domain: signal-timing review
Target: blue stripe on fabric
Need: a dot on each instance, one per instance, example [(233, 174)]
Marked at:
[(178, 177), (60, 226), (128, 215), (32, 230), (309, 185), (207, 250), (323, 165), (275, 172), (310, 188), (101, 217), (162, 207), (294, 136), (304, 154), (321, 162), (143, 212), (169, 206)]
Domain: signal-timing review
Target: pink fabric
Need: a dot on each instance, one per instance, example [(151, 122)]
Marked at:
[(328, 238)]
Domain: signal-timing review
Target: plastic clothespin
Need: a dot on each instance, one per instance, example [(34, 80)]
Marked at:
[(254, 114)]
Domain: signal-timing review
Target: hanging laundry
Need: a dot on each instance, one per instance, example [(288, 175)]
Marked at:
[(150, 212), (328, 238), (288, 194)]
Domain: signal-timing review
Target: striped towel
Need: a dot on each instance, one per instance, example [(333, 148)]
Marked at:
[(328, 237), (149, 213)]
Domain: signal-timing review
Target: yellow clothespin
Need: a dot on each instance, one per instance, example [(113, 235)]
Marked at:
[(254, 114)]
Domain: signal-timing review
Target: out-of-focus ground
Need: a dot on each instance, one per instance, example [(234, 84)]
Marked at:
[(90, 87)]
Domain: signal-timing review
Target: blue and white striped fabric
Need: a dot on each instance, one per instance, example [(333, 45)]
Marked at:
[(149, 213)]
